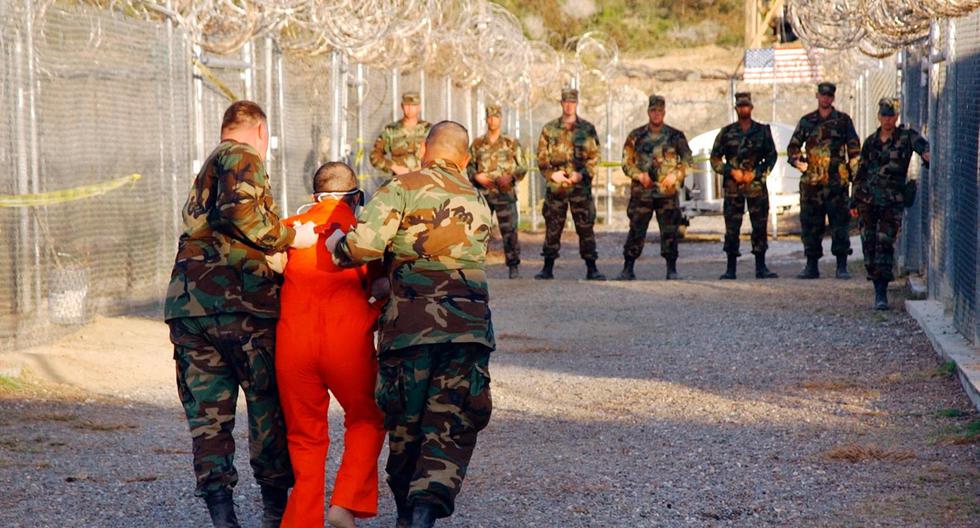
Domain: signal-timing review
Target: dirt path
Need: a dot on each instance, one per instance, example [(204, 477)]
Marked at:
[(694, 403)]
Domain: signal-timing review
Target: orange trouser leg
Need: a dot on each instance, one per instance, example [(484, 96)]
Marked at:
[(304, 400), (351, 379)]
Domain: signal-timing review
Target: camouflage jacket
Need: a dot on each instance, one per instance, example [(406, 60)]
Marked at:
[(568, 150), (881, 176), (752, 150), (504, 156), (397, 145), (831, 148), (230, 225), (658, 155), (433, 226)]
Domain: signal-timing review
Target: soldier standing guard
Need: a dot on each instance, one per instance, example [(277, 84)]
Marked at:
[(436, 333), (656, 157), (496, 165), (831, 155), (396, 151), (568, 152), (881, 192), (222, 305), (744, 154)]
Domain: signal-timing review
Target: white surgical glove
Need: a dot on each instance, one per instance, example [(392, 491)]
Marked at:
[(277, 261), (305, 235), (333, 239)]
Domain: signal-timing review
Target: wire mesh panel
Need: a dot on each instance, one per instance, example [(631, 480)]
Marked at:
[(915, 103), (963, 180), (940, 133), (106, 131)]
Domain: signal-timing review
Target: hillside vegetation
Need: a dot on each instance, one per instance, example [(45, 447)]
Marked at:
[(639, 27)]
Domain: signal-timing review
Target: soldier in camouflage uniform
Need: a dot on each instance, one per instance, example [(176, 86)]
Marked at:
[(435, 330), (222, 305), (396, 151), (743, 155), (656, 157), (882, 191), (568, 152), (825, 148), (496, 165)]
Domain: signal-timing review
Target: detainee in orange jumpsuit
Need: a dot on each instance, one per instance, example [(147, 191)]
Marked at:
[(325, 340)]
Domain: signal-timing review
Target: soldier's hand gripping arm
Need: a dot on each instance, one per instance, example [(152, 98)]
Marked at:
[(377, 224), (853, 147), (794, 151), (379, 158), (718, 162), (630, 167), (245, 209), (921, 146), (768, 160)]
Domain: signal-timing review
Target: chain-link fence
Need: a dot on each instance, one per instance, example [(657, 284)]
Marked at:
[(940, 96)]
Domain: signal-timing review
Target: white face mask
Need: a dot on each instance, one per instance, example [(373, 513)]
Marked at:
[(336, 195)]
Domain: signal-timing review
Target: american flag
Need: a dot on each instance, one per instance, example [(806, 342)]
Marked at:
[(782, 65)]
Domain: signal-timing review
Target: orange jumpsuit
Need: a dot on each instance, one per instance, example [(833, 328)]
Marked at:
[(324, 340)]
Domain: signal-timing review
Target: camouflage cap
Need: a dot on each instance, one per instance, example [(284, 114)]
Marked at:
[(411, 98), (569, 94), (743, 99), (827, 88), (656, 101), (888, 106), (493, 110)]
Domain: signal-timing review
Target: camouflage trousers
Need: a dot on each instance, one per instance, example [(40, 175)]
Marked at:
[(556, 205), (506, 209), (640, 211), (879, 230), (818, 203), (435, 399), (215, 356), (734, 209)]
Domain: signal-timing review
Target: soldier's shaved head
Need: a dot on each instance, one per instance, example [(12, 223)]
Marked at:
[(334, 176), (448, 140)]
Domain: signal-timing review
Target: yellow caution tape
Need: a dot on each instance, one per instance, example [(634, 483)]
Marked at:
[(66, 195), (211, 76)]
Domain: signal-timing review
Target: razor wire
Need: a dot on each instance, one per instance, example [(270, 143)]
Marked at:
[(475, 42), (876, 28)]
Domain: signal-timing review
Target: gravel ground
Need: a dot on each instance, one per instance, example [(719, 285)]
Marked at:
[(651, 403)]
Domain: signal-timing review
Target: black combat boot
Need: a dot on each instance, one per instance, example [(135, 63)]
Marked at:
[(811, 271), (423, 516), (627, 273), (730, 270), (546, 272), (404, 519), (273, 505), (222, 509), (672, 269), (761, 271), (881, 294), (842, 272), (592, 272), (513, 272)]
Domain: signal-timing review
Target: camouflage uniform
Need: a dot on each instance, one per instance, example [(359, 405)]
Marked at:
[(222, 305), (832, 147), (658, 154), (752, 150), (398, 145), (496, 159), (880, 188), (436, 333), (571, 150)]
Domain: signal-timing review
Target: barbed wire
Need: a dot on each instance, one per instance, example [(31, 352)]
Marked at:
[(876, 28), (474, 42)]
